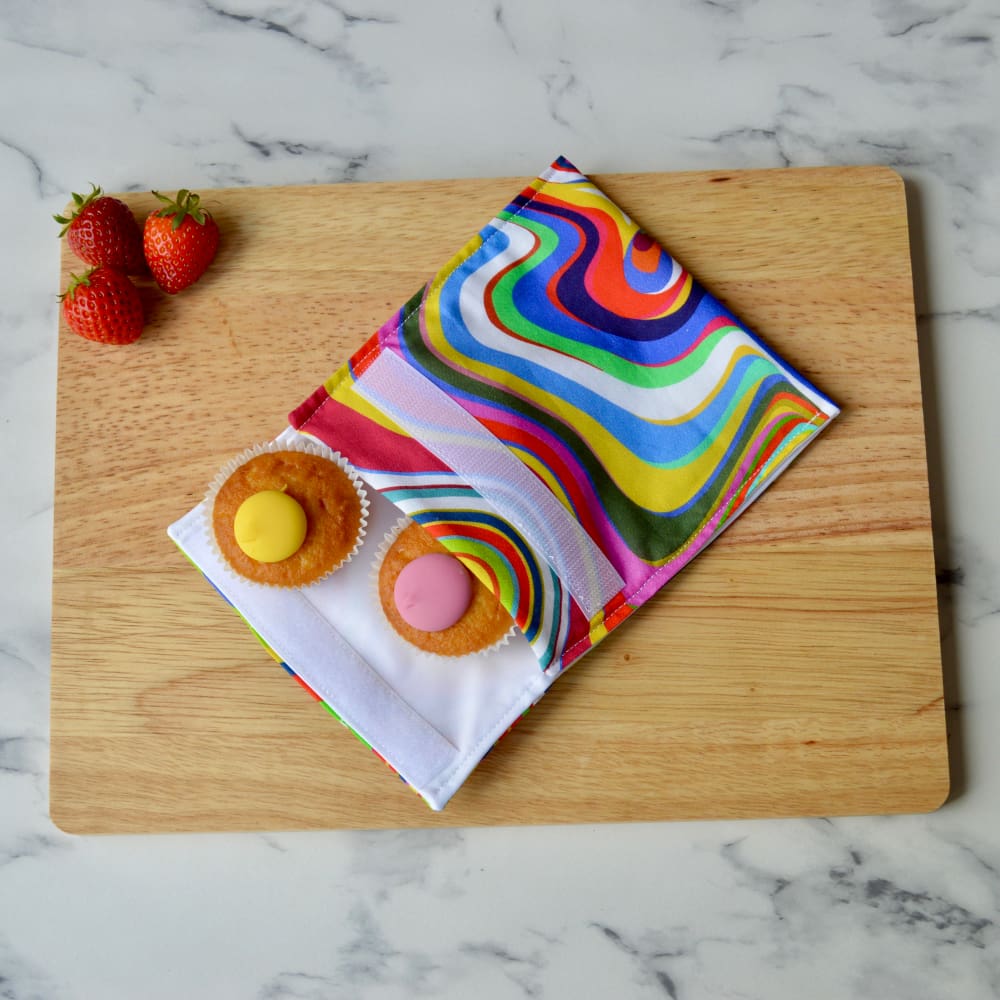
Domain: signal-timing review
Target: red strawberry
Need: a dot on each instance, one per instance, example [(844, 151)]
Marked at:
[(103, 305), (179, 240), (102, 230)]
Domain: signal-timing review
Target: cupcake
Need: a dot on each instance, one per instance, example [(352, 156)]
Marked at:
[(286, 515), (432, 601)]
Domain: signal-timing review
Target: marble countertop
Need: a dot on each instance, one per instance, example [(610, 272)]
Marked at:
[(208, 93)]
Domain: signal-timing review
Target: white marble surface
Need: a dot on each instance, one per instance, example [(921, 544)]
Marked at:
[(154, 93)]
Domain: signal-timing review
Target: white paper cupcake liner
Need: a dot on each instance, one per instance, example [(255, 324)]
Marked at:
[(373, 581), (307, 446)]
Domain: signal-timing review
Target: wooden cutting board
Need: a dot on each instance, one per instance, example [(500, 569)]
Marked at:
[(793, 669)]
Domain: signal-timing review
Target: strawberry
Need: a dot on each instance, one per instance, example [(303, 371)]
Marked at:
[(102, 231), (179, 241), (103, 305)]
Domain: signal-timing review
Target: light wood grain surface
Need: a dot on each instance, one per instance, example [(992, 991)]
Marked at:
[(793, 669)]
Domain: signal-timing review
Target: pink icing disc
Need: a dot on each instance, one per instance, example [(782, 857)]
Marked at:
[(432, 592)]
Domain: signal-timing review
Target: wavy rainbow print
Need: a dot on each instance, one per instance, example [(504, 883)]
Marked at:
[(567, 340)]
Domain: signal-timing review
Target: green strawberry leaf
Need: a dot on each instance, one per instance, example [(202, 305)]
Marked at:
[(81, 202)]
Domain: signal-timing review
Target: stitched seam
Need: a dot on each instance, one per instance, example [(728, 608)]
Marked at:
[(569, 650), (691, 541), (487, 740)]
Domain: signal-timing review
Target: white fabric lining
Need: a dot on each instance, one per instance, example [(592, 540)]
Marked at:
[(432, 722)]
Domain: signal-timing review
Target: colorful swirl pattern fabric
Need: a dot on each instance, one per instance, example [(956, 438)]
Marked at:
[(580, 348)]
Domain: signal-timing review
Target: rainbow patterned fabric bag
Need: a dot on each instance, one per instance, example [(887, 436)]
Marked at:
[(567, 411), (574, 417)]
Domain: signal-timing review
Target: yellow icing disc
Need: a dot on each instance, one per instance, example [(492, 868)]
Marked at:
[(270, 526)]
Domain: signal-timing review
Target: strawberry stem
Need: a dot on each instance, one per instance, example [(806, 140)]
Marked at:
[(76, 280), (187, 203), (81, 202)]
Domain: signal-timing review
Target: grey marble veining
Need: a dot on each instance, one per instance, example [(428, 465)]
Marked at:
[(237, 92)]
